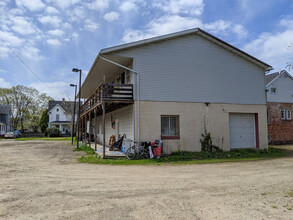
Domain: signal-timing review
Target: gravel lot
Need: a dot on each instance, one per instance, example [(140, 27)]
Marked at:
[(43, 180)]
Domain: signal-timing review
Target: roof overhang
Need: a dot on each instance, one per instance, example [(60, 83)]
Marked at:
[(99, 69)]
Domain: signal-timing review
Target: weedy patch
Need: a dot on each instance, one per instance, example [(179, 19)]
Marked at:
[(87, 149), (264, 194), (274, 206)]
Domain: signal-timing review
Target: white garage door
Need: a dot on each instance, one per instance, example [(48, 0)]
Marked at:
[(242, 131)]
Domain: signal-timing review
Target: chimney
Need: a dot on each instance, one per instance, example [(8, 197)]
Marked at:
[(63, 100)]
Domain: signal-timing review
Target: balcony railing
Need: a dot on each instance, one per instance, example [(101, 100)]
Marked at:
[(119, 93)]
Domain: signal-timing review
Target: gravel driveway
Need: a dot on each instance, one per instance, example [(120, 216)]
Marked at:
[(43, 180)]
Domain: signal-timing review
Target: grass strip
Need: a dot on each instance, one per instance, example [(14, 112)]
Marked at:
[(183, 157), (44, 139)]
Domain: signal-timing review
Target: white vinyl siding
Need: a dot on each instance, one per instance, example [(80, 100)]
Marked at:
[(193, 69), (125, 124), (283, 86)]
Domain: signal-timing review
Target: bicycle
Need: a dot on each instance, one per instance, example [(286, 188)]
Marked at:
[(139, 151)]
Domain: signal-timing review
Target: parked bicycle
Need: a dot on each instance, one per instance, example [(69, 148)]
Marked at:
[(136, 151)]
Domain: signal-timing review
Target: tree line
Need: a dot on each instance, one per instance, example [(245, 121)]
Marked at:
[(28, 105)]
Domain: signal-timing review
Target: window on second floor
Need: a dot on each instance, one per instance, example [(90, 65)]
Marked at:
[(57, 117), (274, 90), (286, 114)]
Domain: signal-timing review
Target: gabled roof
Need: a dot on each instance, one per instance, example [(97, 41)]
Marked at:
[(271, 77), (188, 32), (274, 76), (66, 105)]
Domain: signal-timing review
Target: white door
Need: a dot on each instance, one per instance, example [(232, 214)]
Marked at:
[(242, 131)]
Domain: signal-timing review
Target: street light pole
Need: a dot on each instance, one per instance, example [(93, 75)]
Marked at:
[(79, 95), (73, 122)]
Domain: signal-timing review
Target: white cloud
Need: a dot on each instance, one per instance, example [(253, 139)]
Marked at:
[(11, 39), (163, 25), (63, 3), (52, 20), (111, 16), (99, 5), (172, 23), (128, 6), (3, 83), (23, 25), (4, 52), (56, 32), (32, 5), (273, 48), (54, 42), (57, 89), (90, 25), (31, 52), (190, 7), (51, 10), (78, 13), (75, 35)]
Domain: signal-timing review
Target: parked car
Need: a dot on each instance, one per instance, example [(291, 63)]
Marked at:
[(17, 133), (9, 135)]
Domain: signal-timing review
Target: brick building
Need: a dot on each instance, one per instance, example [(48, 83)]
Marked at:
[(279, 107)]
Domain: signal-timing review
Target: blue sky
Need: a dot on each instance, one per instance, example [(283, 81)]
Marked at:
[(53, 36)]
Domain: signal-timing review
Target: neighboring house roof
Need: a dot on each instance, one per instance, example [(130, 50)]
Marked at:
[(66, 105), (273, 76)]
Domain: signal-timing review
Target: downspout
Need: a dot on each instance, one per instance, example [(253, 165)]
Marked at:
[(137, 90)]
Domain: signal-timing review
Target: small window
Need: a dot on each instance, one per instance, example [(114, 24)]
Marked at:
[(170, 127), (57, 117), (286, 114), (268, 116), (273, 90), (57, 110)]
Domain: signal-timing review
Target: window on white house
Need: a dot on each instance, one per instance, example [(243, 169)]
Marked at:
[(57, 109), (170, 126), (273, 90), (286, 114), (57, 117)]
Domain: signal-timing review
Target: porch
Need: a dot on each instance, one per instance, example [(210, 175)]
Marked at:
[(99, 151), (96, 120)]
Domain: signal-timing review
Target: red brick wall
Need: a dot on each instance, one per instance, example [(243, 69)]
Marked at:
[(279, 131)]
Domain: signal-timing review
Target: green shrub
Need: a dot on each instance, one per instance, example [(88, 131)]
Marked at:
[(207, 143), (52, 132)]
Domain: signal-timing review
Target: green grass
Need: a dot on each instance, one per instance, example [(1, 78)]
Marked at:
[(183, 157), (87, 149), (44, 139)]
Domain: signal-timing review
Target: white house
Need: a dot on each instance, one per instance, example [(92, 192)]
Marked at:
[(60, 115), (5, 115), (174, 87), (280, 105)]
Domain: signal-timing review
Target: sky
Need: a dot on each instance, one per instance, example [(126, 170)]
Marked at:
[(42, 40)]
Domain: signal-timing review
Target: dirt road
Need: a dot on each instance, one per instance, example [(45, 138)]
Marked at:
[(42, 180)]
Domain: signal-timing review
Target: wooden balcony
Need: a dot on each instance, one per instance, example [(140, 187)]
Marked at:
[(113, 95)]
